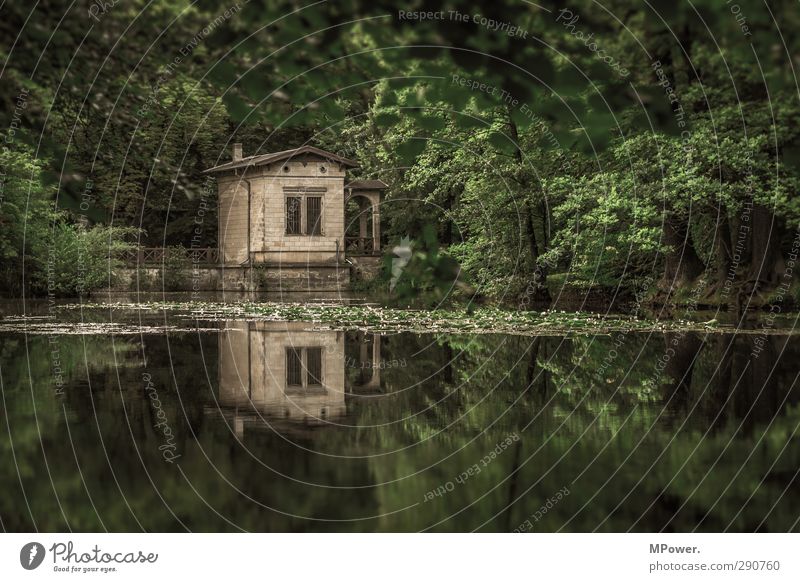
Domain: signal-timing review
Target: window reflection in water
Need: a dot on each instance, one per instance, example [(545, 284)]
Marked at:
[(277, 374)]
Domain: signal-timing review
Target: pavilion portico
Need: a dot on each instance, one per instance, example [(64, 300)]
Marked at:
[(367, 195)]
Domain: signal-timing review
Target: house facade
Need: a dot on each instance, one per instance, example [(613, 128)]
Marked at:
[(287, 211)]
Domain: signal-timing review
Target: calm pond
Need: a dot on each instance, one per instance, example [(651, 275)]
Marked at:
[(234, 424)]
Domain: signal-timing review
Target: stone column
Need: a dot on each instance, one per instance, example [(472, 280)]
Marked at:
[(375, 199), (362, 220), (376, 360), (363, 359)]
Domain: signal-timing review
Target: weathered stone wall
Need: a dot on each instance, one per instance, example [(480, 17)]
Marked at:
[(365, 268), (233, 221), (234, 363), (324, 277), (286, 277), (268, 239)]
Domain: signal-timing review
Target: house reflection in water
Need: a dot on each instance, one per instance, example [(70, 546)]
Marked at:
[(282, 375)]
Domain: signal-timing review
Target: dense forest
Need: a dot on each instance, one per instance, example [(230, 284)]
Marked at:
[(529, 148)]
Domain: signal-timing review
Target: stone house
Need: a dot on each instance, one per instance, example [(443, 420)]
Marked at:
[(285, 212)]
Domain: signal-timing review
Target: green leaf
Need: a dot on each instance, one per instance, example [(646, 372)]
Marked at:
[(410, 149), (236, 107)]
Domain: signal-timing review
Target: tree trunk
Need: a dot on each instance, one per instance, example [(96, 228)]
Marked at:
[(724, 251), (530, 230), (447, 365), (533, 363), (766, 260), (545, 229), (447, 237), (719, 402), (513, 486), (539, 274), (680, 367), (682, 264), (758, 396)]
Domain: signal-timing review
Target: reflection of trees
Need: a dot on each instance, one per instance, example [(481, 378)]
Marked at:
[(33, 410), (583, 423), (681, 351), (602, 380), (609, 395)]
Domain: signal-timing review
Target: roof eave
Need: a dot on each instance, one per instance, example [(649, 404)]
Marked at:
[(331, 157)]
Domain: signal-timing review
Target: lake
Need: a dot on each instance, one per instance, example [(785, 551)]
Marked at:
[(131, 420)]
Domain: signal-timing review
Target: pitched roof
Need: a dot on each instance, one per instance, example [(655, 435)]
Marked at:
[(264, 159), (367, 185)]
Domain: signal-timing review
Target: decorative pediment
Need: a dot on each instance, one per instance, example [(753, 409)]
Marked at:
[(301, 154)]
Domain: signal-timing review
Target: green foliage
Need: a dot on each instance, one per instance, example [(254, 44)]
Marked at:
[(41, 248), (612, 227), (530, 158), (176, 268), (421, 271), (26, 214), (75, 261)]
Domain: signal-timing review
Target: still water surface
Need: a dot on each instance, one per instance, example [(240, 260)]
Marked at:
[(274, 426)]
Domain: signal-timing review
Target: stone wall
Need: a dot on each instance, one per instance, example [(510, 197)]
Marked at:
[(328, 277), (266, 278), (233, 220), (365, 268), (268, 241)]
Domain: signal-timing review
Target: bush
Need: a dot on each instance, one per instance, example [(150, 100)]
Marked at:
[(26, 216), (76, 261), (176, 268), (421, 273)]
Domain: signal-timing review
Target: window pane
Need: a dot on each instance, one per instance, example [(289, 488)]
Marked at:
[(314, 366), (294, 368), (293, 215), (313, 215)]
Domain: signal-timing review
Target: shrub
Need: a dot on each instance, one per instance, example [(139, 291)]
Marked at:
[(76, 261), (175, 269)]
